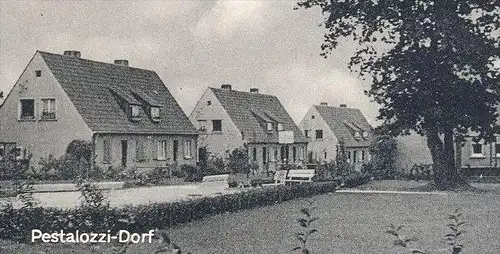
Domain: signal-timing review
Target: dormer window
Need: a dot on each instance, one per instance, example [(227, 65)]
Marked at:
[(134, 112), (269, 126), (155, 113), (357, 135), (280, 127), (365, 134)]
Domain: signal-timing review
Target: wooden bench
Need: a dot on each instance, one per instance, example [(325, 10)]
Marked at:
[(300, 175), (279, 178), (219, 180)]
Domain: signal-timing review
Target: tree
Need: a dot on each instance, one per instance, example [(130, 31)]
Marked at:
[(431, 64), (383, 149)]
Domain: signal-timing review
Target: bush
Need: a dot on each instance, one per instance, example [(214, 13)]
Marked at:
[(193, 173), (383, 150), (17, 223)]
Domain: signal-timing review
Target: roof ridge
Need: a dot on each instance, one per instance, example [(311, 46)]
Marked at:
[(94, 61), (245, 92)]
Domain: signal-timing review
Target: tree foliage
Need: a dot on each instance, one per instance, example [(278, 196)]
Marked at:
[(383, 150), (434, 66)]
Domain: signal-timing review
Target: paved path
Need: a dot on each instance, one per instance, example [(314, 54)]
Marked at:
[(133, 196), (391, 192)]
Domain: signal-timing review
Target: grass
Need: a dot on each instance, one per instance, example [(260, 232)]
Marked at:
[(349, 223)]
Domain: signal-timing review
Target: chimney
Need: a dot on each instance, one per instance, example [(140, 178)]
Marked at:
[(254, 90), (72, 53), (323, 104), (122, 62), (343, 105), (226, 87)]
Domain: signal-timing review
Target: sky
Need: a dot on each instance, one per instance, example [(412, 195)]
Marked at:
[(192, 45)]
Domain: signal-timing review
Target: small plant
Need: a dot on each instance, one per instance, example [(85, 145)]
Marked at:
[(166, 246), (306, 225), (24, 190), (451, 238), (93, 198), (401, 240), (456, 231)]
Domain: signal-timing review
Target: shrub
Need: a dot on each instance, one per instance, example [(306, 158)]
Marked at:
[(421, 172), (383, 150), (18, 223), (193, 173)]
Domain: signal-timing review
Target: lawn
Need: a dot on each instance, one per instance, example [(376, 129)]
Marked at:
[(349, 223)]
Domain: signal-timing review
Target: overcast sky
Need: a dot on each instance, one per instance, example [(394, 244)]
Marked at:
[(192, 45)]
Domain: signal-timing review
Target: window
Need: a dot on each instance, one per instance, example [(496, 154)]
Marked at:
[(155, 112), (106, 158), (349, 156), (18, 153), (319, 134), (365, 134), (209, 103), (324, 155), (202, 125), (269, 126), (312, 117), (134, 111), (161, 150), (141, 151), (188, 148), (2, 152), (264, 155), (254, 154), (357, 135), (216, 125), (354, 156), (48, 108), (497, 150), (280, 127), (477, 150), (38, 73), (27, 109), (294, 153), (363, 155), (306, 133)]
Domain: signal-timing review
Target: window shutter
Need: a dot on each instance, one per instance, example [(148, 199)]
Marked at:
[(107, 151)]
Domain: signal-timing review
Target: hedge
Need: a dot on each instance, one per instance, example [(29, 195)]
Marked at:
[(16, 224)]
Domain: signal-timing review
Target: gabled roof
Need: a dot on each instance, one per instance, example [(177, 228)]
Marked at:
[(248, 110), (93, 87), (344, 122)]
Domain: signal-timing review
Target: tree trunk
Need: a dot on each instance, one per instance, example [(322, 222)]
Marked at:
[(446, 175)]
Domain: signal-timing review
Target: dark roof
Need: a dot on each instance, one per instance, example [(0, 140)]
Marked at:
[(250, 111), (345, 122), (96, 89)]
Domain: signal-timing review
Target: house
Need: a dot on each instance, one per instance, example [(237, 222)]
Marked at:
[(479, 157), (230, 119), (127, 114), (333, 131)]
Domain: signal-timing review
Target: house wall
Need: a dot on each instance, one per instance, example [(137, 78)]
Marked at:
[(488, 159), (318, 147), (151, 160), (41, 138), (273, 152), (217, 143)]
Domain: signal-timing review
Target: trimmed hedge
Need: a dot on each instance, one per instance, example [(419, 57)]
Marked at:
[(16, 224)]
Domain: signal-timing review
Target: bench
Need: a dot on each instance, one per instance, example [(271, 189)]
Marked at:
[(215, 180), (300, 175), (279, 178)]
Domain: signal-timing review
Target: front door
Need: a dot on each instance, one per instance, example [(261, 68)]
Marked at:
[(176, 149), (124, 152)]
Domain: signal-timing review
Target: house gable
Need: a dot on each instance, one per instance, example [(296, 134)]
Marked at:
[(41, 136), (207, 109), (311, 122)]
